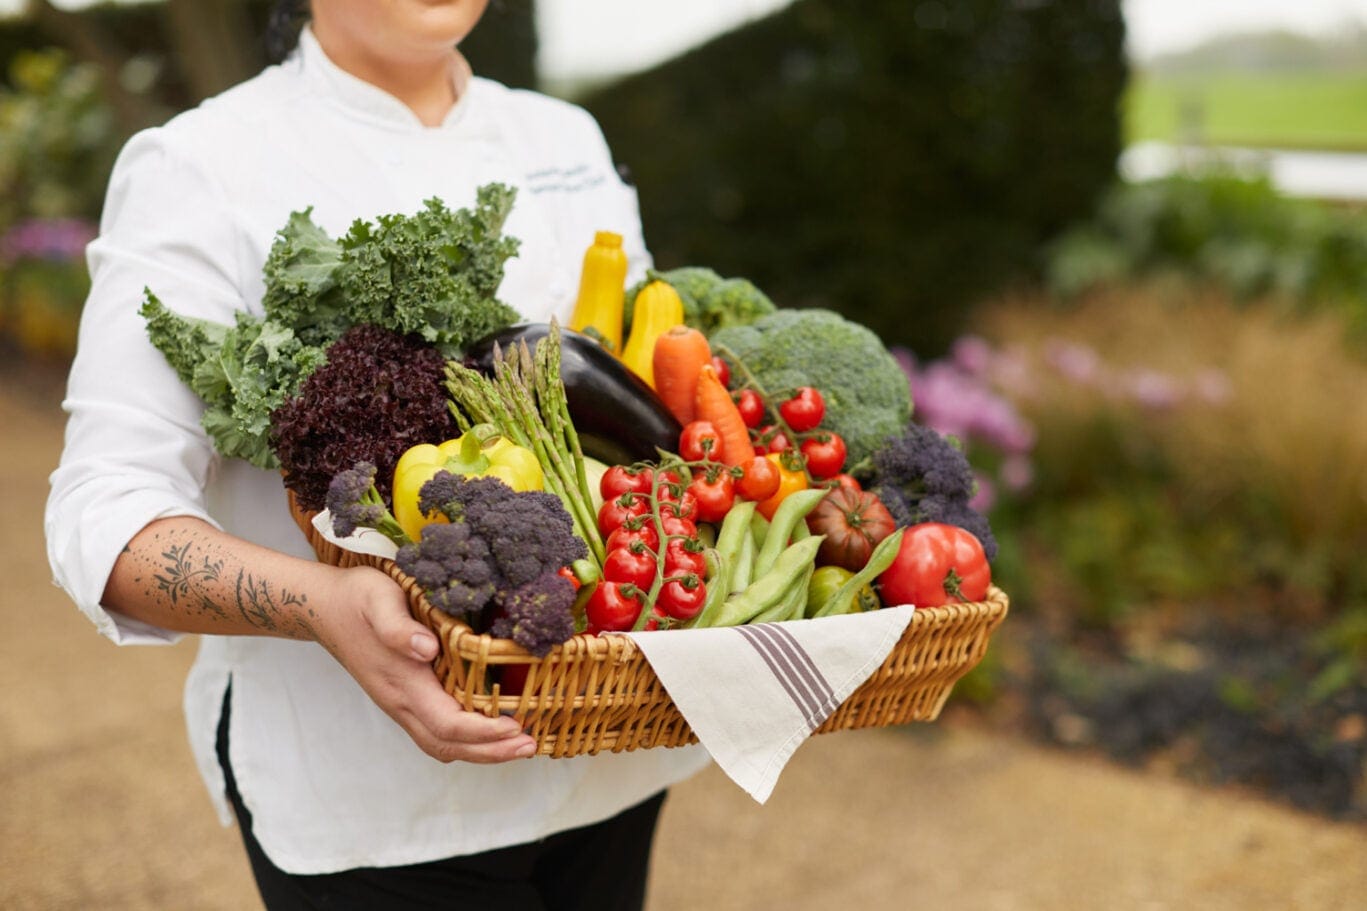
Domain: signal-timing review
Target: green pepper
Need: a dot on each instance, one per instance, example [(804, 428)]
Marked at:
[(826, 581), (479, 452)]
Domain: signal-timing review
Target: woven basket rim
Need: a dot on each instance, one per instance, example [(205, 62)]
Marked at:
[(470, 645)]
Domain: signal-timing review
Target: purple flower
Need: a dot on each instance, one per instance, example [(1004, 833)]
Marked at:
[(52, 239)]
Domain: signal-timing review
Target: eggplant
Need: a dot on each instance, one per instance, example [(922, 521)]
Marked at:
[(618, 417)]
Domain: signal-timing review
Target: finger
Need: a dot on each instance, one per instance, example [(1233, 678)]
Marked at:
[(395, 627), (445, 730)]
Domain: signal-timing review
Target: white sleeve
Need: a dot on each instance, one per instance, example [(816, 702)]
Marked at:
[(134, 449)]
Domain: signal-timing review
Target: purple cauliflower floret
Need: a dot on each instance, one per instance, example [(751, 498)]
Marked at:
[(537, 615), (921, 476), (454, 568)]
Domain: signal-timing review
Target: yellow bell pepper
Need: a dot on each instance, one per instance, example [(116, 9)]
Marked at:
[(477, 453), (658, 309)]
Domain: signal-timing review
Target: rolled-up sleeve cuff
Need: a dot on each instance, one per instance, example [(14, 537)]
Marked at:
[(84, 557)]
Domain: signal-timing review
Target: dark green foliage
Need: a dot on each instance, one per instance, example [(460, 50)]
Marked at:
[(503, 45), (1233, 231), (894, 161)]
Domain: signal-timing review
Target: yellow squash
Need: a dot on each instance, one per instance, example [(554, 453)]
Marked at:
[(602, 289), (658, 309)]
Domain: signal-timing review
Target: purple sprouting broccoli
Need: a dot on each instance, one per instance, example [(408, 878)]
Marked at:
[(509, 584), (528, 532), (537, 615), (921, 476), (453, 566), (355, 502)]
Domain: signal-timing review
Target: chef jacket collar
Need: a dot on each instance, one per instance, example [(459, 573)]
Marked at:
[(369, 101)]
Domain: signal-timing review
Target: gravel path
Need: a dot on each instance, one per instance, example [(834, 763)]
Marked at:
[(100, 806)]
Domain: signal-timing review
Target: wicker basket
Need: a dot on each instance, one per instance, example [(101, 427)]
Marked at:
[(596, 693)]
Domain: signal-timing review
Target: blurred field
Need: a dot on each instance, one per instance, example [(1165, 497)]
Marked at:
[(100, 806), (1288, 110)]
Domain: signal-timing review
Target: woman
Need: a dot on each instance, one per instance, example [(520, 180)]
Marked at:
[(316, 715)]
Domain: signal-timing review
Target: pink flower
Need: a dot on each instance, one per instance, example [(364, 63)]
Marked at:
[(1074, 361), (985, 495), (1212, 386), (1153, 389), (1016, 473), (972, 354)]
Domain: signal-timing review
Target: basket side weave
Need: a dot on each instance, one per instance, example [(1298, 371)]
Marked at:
[(598, 693)]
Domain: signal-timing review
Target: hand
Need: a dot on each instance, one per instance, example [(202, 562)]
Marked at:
[(366, 626)]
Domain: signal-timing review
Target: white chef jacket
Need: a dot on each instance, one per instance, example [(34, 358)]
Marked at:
[(331, 782)]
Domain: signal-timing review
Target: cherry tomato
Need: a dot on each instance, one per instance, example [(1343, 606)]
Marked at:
[(845, 480), (610, 608), (715, 493), (789, 480), (685, 507), (681, 602), (700, 441), (771, 439), (676, 527), (614, 512), (751, 407), (624, 535), (568, 575), (679, 560), (723, 369), (825, 454), (759, 479), (804, 410), (936, 564), (628, 564), (620, 479)]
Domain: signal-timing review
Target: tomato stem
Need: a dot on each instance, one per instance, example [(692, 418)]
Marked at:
[(952, 583)]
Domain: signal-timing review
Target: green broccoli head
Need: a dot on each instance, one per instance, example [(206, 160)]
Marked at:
[(709, 300), (868, 398)]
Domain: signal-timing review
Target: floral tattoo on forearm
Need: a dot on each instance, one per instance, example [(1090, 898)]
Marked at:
[(189, 577)]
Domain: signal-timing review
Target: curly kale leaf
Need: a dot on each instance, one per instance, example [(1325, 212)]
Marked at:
[(242, 372), (433, 274)]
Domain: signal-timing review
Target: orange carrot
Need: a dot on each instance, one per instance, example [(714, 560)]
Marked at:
[(679, 355), (713, 403)]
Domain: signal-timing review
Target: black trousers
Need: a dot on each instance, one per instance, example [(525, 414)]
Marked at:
[(602, 867)]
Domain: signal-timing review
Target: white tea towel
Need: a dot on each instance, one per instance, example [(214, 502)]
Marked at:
[(361, 541), (754, 693)]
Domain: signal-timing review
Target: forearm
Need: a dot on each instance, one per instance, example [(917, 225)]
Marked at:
[(183, 574)]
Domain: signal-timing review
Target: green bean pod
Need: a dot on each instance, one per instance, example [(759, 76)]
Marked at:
[(769, 589), (791, 510), (716, 576), (878, 562), (793, 603)]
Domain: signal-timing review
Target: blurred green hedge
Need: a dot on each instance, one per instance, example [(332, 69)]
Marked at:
[(893, 161)]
